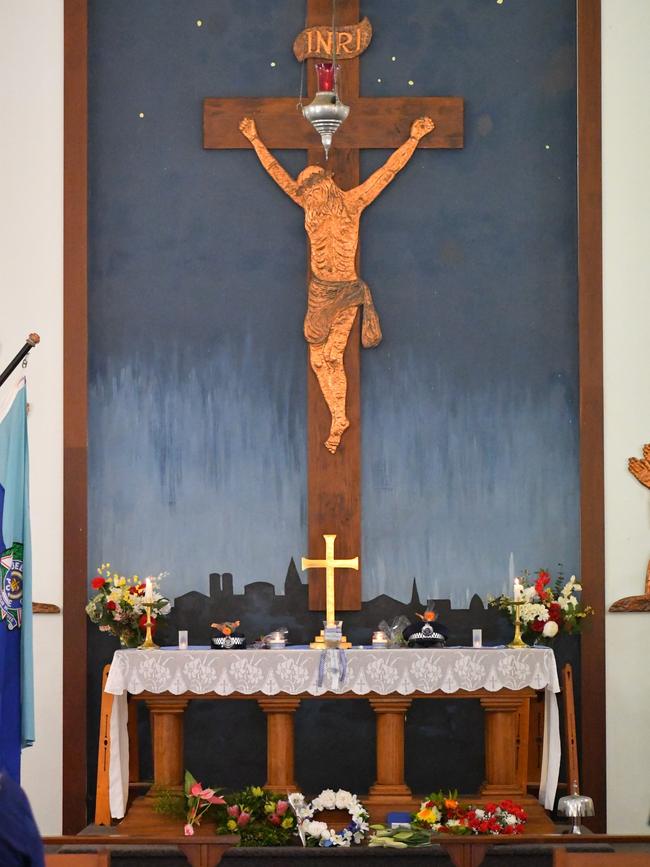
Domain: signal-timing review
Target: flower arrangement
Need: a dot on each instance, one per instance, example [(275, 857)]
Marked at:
[(199, 801), (546, 609), (120, 604), (315, 833), (260, 818), (445, 815)]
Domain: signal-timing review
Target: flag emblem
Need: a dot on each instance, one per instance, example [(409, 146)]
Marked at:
[(11, 585)]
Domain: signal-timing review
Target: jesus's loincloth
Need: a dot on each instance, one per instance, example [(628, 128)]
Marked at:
[(327, 298)]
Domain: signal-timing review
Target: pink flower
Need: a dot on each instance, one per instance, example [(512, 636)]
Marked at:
[(274, 819), (243, 819), (281, 807), (234, 811), (208, 795), (188, 830)]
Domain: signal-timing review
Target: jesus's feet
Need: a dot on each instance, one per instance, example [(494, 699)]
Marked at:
[(339, 426)]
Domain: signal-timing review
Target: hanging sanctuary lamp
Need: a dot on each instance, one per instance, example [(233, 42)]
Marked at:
[(326, 112)]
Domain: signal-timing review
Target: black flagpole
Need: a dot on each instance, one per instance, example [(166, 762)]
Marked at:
[(30, 343)]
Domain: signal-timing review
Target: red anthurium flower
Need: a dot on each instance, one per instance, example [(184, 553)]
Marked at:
[(97, 582), (111, 605)]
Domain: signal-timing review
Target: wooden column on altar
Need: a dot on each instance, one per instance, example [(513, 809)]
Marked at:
[(167, 718), (280, 710), (506, 742), (390, 788)]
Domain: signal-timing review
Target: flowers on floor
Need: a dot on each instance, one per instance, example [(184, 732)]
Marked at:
[(316, 833), (445, 815), (199, 800), (548, 608), (260, 818), (118, 605)]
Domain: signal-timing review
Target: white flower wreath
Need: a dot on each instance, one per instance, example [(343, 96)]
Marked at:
[(318, 832)]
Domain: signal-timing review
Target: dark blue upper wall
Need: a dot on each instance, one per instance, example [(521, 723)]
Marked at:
[(197, 293)]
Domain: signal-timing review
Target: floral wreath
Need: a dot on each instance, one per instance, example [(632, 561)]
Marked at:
[(317, 833)]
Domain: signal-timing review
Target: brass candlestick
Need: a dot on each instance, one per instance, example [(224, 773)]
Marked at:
[(517, 640), (148, 643)]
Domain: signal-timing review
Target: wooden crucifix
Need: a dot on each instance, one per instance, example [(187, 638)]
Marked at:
[(334, 479)]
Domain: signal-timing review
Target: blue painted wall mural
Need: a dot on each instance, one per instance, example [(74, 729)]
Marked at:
[(197, 293)]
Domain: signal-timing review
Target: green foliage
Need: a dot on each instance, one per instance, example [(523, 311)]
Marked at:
[(399, 838), (169, 803)]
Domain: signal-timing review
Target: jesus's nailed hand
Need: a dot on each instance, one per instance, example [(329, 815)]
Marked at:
[(421, 127)]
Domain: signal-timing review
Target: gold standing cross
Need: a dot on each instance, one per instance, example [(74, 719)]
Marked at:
[(330, 564)]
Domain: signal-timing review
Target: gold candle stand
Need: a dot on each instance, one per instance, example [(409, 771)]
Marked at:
[(517, 641), (148, 643)]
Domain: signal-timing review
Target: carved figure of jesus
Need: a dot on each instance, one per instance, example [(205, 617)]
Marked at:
[(332, 218)]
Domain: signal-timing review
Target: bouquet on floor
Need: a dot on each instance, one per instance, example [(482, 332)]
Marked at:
[(260, 818), (120, 604), (445, 815), (548, 608)]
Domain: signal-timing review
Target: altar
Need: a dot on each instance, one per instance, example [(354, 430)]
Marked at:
[(502, 679)]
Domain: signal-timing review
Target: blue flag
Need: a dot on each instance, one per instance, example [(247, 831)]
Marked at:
[(16, 669)]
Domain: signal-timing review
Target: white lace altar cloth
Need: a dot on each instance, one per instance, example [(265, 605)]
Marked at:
[(360, 671)]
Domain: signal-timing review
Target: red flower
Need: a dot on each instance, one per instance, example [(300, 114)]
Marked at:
[(274, 819), (537, 625), (483, 827), (111, 605), (97, 583), (555, 612), (544, 576)]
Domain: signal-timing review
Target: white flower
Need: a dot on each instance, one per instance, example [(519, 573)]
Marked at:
[(326, 800), (529, 594), (344, 800), (453, 823), (313, 828), (480, 814), (550, 629), (510, 819)]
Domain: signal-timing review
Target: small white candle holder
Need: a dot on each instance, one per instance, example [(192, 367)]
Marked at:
[(477, 638), (182, 639)]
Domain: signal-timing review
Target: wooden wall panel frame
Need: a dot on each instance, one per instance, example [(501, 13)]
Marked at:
[(76, 403), (75, 410)]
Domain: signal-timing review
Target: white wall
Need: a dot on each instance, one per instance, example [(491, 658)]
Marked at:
[(626, 200), (31, 293)]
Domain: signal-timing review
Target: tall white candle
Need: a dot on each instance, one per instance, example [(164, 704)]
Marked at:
[(518, 590), (511, 567), (148, 591)]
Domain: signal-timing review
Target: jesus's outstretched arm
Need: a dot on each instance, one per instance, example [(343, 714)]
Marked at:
[(368, 191), (282, 178)]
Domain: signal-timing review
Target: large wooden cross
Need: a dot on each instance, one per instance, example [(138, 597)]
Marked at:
[(334, 480)]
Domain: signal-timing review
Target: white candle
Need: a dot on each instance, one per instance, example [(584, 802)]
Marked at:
[(148, 591), (518, 590), (511, 567)]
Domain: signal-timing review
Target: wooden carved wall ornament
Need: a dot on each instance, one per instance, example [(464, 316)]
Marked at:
[(640, 469), (351, 41), (335, 289)]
